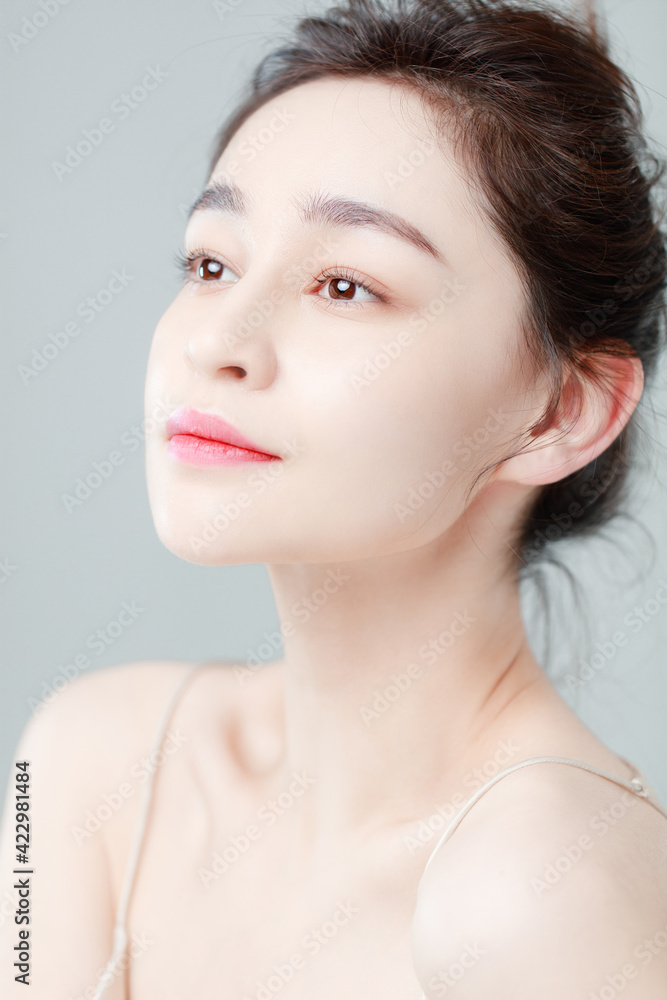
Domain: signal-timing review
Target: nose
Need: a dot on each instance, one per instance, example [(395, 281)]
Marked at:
[(233, 340)]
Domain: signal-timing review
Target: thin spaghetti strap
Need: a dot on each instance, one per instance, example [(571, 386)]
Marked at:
[(120, 941), (637, 785)]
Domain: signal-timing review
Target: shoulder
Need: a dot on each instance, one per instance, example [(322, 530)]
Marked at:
[(104, 697), (555, 880), (75, 746), (101, 725), (127, 700), (97, 718), (90, 754)]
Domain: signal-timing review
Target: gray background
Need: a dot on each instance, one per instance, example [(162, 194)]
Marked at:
[(122, 208)]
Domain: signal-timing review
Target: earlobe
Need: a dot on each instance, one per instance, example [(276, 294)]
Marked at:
[(593, 409)]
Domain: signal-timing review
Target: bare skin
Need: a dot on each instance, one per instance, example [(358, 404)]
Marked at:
[(199, 929), (339, 855)]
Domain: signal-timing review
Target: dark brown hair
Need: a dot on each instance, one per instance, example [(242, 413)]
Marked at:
[(553, 131)]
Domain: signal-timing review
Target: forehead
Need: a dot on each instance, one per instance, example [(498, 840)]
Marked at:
[(369, 139), (373, 111)]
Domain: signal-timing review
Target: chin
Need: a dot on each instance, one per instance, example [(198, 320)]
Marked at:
[(183, 535)]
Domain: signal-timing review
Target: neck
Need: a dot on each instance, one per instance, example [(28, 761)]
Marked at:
[(401, 672)]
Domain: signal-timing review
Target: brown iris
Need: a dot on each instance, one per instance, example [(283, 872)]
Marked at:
[(209, 269), (347, 291)]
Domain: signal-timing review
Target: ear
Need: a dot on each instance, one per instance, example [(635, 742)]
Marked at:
[(592, 411)]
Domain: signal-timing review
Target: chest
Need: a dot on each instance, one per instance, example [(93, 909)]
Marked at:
[(234, 910)]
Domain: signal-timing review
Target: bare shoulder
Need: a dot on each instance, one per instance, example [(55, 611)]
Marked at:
[(555, 884), (74, 747), (91, 751), (114, 711)]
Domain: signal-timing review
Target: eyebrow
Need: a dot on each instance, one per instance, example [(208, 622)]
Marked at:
[(319, 208)]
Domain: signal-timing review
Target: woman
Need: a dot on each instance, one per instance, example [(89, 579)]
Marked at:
[(423, 292)]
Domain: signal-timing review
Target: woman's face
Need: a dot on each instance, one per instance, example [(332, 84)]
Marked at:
[(350, 311)]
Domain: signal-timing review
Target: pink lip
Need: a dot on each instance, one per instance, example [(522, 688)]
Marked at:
[(204, 439)]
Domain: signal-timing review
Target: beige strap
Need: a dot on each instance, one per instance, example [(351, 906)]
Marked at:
[(637, 785), (120, 941)]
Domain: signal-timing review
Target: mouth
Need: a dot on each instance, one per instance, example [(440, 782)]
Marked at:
[(206, 439)]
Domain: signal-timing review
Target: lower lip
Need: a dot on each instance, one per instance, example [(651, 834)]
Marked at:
[(203, 451)]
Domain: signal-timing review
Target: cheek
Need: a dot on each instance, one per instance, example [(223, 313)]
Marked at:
[(163, 377), (411, 430), (165, 366), (165, 343)]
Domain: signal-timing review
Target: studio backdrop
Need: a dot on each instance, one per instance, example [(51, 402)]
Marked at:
[(109, 112)]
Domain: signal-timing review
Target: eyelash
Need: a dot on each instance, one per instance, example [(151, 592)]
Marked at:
[(186, 265)]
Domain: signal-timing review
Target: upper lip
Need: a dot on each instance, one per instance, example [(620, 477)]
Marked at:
[(207, 425)]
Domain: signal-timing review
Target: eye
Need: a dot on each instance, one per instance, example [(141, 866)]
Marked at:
[(345, 286), (208, 269), (201, 267)]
